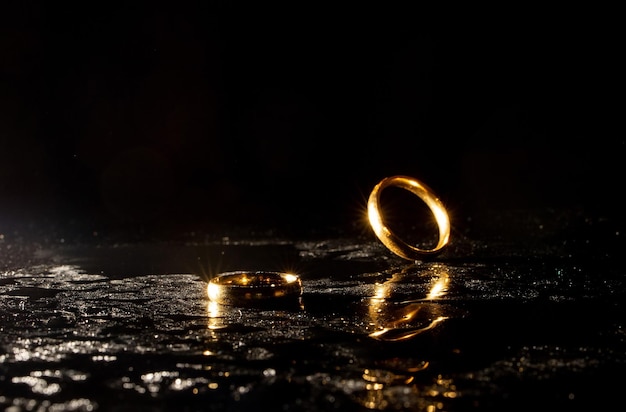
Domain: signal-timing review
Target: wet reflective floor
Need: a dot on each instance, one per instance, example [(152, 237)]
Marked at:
[(484, 326)]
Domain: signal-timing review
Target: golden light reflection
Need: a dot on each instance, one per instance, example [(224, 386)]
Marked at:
[(382, 386), (397, 321), (216, 318), (290, 277), (439, 287), (213, 292), (379, 394), (395, 334)]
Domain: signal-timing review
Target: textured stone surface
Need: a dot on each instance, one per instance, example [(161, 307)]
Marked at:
[(485, 326)]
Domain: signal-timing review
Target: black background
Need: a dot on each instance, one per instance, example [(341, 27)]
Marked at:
[(165, 119)]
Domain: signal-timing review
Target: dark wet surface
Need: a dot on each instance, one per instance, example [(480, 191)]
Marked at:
[(145, 149), (489, 325)]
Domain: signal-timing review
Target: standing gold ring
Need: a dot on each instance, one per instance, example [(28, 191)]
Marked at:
[(392, 241)]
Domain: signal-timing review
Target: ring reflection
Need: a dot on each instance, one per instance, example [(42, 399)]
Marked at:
[(396, 321), (216, 318)]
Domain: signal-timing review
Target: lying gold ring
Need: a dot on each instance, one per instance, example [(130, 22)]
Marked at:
[(389, 239), (243, 288)]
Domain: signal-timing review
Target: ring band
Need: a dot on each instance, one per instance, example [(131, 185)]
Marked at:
[(243, 288), (388, 238)]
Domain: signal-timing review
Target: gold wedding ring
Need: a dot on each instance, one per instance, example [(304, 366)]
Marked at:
[(392, 241), (243, 288)]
